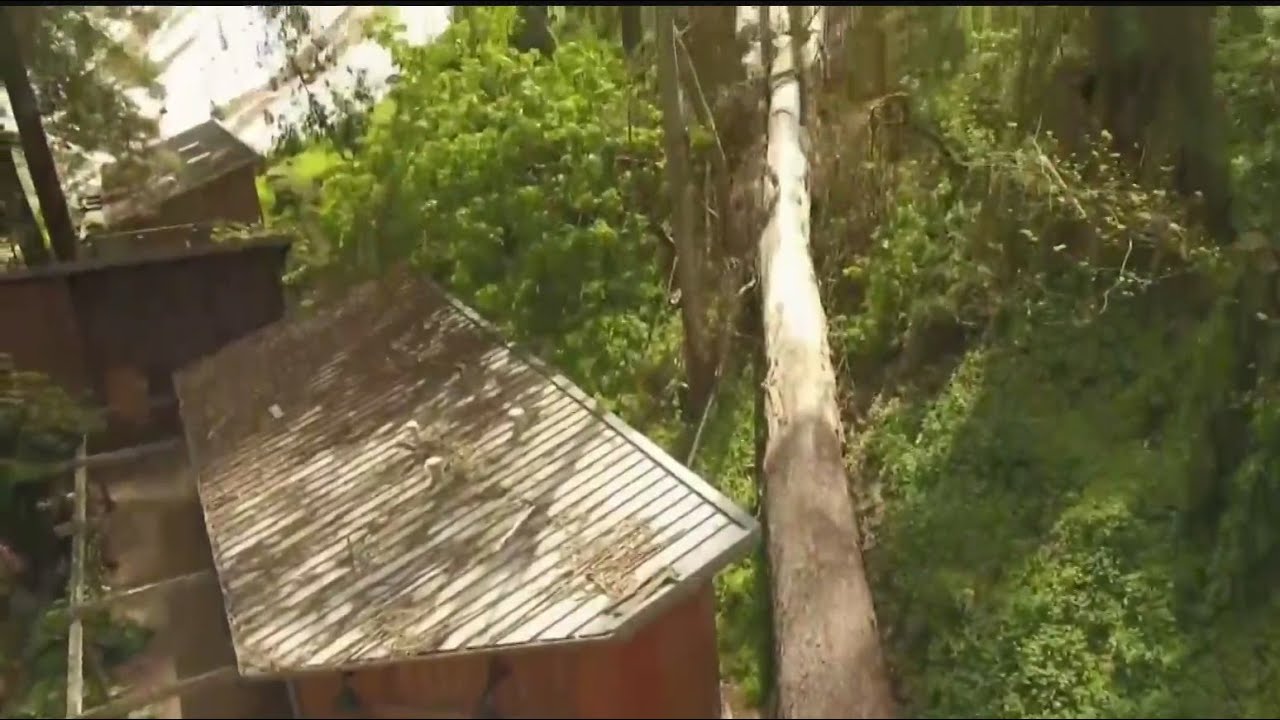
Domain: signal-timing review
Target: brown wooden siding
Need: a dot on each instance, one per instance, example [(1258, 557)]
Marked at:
[(668, 669), (137, 322), (232, 197), (154, 318), (125, 244), (38, 329)]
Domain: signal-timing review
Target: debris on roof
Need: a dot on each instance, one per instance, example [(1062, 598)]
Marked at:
[(386, 478)]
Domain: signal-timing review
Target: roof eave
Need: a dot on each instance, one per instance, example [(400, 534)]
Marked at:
[(642, 615)]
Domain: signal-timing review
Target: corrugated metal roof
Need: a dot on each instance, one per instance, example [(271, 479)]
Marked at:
[(370, 494)]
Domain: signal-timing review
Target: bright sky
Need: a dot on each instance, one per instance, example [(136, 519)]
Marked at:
[(214, 54), (218, 56)]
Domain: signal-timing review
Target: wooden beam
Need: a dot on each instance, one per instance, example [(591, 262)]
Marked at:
[(127, 703), (75, 593), (166, 585), (51, 470), (71, 528), (21, 220)]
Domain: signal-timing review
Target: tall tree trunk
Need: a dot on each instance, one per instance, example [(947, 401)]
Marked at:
[(872, 48), (1155, 94), (35, 146), (829, 661), (535, 30), (15, 213), (694, 311), (632, 29)]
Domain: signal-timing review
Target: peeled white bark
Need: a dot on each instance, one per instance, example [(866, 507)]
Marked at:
[(828, 657)]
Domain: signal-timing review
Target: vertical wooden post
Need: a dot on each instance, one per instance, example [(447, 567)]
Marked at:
[(15, 210), (75, 591)]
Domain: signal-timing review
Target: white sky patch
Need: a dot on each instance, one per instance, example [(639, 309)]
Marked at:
[(212, 55)]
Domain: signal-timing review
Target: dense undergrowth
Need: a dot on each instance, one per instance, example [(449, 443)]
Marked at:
[(1070, 447), (40, 423), (1060, 392)]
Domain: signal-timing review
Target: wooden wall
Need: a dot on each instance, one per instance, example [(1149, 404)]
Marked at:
[(668, 669), (147, 320), (119, 330), (232, 197), (38, 328), (125, 244)]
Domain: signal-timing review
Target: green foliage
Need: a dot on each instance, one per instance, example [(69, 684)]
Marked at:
[(82, 70), (39, 423), (1074, 440), (43, 660), (1249, 47), (527, 186), (726, 456)]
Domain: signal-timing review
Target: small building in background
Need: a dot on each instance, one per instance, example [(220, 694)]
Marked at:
[(201, 176), (411, 518)]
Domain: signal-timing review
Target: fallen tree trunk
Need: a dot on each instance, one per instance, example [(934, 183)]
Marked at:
[(828, 657)]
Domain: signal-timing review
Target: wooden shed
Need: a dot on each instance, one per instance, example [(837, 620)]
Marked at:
[(118, 328), (411, 518), (205, 174)]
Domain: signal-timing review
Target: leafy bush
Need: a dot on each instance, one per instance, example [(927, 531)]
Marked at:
[(1073, 521), (528, 186), (39, 423)]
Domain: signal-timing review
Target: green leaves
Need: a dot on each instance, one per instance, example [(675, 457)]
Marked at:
[(81, 73), (1071, 453), (501, 174)]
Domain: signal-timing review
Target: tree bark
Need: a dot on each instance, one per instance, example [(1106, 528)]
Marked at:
[(828, 657), (1155, 93), (632, 28), (535, 30), (35, 146), (694, 310), (15, 212)]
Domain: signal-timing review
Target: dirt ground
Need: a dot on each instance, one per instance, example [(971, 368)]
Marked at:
[(156, 531)]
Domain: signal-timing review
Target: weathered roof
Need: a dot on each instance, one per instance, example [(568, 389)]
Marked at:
[(369, 496), (191, 158)]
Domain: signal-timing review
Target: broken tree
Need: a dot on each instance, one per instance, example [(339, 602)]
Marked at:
[(829, 661)]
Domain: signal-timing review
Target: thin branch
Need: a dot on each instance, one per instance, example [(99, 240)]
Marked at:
[(165, 585)]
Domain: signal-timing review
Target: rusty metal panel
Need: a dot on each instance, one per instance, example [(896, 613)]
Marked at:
[(386, 478)]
